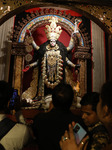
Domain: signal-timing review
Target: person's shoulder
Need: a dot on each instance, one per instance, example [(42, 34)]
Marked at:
[(100, 128), (101, 133), (21, 130), (21, 126)]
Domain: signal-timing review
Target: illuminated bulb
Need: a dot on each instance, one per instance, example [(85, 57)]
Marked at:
[(101, 18), (8, 8), (1, 8)]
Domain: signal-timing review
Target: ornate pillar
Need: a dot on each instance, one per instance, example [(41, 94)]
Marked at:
[(82, 54), (18, 51)]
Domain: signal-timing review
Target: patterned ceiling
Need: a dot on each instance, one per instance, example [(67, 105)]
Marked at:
[(103, 13)]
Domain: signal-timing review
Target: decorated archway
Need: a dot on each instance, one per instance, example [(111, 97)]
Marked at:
[(32, 16), (35, 22)]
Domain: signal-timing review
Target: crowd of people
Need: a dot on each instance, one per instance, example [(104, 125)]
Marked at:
[(13, 135), (104, 112), (54, 129), (49, 127), (98, 135)]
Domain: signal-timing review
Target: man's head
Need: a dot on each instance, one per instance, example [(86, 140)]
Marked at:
[(88, 107), (104, 107), (62, 96), (5, 94)]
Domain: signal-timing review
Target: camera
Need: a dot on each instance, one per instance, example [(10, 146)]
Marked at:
[(79, 132)]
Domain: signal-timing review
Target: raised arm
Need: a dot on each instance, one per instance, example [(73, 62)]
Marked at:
[(35, 46), (70, 63), (27, 67), (74, 33), (71, 44), (76, 66)]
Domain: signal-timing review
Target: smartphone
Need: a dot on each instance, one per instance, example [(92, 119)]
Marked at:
[(79, 132), (12, 100)]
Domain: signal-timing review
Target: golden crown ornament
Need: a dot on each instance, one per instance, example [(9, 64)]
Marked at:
[(53, 31)]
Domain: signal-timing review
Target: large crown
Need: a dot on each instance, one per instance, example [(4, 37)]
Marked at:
[(53, 31)]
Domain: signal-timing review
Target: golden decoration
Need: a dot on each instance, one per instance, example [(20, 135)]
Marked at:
[(53, 31), (30, 93), (29, 48), (28, 40), (103, 13), (28, 57), (17, 73)]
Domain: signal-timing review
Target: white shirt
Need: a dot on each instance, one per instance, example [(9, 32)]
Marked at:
[(16, 138)]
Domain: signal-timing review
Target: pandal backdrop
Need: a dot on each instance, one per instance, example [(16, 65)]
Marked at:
[(35, 21)]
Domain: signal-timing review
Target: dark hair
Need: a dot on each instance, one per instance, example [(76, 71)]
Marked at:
[(91, 98), (62, 96), (5, 94), (106, 94)]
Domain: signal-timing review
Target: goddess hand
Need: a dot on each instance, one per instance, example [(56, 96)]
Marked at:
[(26, 68)]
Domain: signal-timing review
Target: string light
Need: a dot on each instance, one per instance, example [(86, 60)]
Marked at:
[(1, 8)]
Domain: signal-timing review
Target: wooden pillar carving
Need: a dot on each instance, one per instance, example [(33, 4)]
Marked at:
[(17, 75), (83, 76), (18, 50), (82, 54)]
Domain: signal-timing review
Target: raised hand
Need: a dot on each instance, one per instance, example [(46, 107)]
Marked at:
[(26, 68)]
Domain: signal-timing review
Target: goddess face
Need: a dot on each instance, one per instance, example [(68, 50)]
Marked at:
[(52, 43)]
